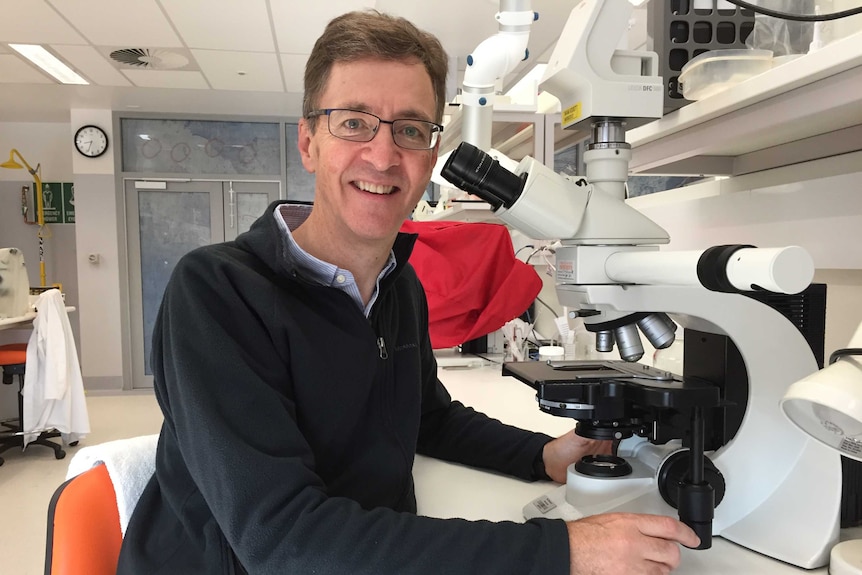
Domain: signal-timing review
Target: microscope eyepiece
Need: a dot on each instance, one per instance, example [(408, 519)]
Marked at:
[(470, 169)]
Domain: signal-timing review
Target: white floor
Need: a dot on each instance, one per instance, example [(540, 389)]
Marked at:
[(28, 478)]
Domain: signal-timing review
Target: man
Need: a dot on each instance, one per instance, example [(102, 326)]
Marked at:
[(296, 376)]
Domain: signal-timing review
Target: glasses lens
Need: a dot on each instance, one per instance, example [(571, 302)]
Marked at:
[(353, 125), (414, 134), (362, 126)]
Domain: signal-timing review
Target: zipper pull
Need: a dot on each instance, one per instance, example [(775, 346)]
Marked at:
[(381, 346)]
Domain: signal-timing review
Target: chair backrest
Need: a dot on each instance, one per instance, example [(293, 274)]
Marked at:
[(84, 536)]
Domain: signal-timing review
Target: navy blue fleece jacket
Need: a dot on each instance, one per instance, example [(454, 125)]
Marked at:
[(291, 425)]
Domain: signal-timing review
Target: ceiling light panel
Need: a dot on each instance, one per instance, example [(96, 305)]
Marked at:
[(49, 63)]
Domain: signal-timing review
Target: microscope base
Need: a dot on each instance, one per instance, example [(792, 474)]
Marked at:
[(634, 493), (790, 527)]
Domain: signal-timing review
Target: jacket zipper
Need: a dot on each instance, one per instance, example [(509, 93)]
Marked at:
[(381, 347)]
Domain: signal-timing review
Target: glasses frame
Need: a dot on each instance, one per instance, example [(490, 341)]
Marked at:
[(437, 128)]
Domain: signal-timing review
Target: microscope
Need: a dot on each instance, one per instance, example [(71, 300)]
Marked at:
[(714, 450)]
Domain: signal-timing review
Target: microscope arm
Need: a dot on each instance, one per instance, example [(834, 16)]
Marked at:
[(491, 60)]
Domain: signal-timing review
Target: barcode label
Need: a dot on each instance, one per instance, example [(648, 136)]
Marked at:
[(544, 504)]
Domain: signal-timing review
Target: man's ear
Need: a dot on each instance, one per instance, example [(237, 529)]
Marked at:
[(307, 149)]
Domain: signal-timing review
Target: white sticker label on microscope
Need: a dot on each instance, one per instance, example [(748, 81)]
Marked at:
[(544, 504), (851, 446), (565, 270)]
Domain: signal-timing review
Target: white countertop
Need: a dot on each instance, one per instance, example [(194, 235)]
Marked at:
[(449, 490)]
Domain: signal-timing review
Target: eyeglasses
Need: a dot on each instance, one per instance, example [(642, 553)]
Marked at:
[(357, 126)]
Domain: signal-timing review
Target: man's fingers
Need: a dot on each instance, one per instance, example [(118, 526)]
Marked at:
[(668, 528), (663, 552)]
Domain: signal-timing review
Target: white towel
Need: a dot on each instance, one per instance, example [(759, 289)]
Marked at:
[(130, 462)]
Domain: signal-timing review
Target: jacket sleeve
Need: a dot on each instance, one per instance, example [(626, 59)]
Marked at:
[(451, 431), (214, 363)]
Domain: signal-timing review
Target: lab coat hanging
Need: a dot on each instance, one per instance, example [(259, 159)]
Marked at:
[(53, 386)]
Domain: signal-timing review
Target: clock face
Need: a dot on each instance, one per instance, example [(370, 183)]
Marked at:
[(91, 141)]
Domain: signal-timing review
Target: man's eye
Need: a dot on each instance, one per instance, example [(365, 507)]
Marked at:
[(354, 124), (414, 131)]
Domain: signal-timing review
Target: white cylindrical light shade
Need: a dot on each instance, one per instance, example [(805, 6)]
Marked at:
[(846, 558), (781, 270), (827, 405)]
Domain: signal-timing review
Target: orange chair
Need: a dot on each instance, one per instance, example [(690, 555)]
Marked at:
[(13, 360), (84, 535)]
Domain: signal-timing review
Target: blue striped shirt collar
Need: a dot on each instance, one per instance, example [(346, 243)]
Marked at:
[(319, 271)]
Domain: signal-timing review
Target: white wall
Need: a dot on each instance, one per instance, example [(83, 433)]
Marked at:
[(97, 233)]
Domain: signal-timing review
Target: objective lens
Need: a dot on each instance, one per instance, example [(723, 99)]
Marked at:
[(470, 169), (604, 341), (659, 329), (629, 342)]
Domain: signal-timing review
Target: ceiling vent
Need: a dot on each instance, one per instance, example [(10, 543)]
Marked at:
[(150, 59)]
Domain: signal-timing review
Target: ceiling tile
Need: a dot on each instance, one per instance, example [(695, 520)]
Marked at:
[(240, 26), (240, 70), (298, 24), (89, 62), (132, 23), (35, 22), (166, 79), (14, 70), (293, 68)]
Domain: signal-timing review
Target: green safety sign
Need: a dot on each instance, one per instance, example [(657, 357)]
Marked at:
[(58, 202)]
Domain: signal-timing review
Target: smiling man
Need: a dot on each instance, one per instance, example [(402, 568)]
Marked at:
[(275, 457)]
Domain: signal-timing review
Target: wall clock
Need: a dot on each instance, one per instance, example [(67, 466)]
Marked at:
[(91, 141)]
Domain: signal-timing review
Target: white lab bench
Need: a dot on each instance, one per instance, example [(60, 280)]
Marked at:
[(448, 490)]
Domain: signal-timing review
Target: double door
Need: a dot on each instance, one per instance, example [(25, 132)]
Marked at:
[(164, 221)]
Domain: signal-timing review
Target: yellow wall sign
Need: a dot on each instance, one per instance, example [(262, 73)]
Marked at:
[(571, 114)]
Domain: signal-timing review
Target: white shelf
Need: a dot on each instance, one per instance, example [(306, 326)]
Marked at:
[(808, 108), (462, 212)]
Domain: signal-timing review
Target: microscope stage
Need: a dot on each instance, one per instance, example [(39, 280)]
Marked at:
[(587, 381)]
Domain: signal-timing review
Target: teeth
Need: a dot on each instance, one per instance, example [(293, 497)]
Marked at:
[(375, 188)]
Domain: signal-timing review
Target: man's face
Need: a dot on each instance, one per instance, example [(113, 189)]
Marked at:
[(365, 190)]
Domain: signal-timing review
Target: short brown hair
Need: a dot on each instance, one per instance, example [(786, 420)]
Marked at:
[(372, 34)]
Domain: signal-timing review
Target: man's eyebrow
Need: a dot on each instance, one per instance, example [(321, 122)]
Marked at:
[(408, 113)]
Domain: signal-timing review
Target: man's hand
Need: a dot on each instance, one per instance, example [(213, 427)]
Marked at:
[(567, 449), (627, 544)]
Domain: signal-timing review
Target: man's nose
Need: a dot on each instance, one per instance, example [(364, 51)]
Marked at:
[(382, 151)]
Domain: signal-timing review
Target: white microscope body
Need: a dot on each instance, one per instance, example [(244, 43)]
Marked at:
[(782, 490)]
